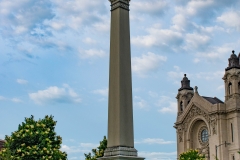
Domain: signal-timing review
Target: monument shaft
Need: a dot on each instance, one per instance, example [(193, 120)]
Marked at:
[(120, 110), (120, 114)]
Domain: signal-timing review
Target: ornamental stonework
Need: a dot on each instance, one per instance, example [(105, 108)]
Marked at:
[(196, 111), (119, 4)]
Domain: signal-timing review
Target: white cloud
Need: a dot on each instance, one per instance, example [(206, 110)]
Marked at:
[(103, 25), (55, 94), (173, 75), (16, 100), (154, 7), (22, 16), (210, 75), (89, 40), (214, 53), (147, 63), (2, 98), (153, 94), (220, 87), (196, 60), (89, 145), (22, 81), (180, 22), (230, 18), (159, 37), (158, 155), (154, 141), (197, 41), (81, 148), (92, 53), (75, 14), (140, 103), (177, 68), (103, 92), (71, 149), (172, 108)]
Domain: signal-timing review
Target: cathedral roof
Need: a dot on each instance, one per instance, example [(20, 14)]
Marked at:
[(185, 84), (213, 100)]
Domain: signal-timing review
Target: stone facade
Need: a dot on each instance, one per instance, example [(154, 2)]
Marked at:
[(206, 122)]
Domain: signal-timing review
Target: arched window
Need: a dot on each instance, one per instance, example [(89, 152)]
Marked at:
[(229, 88), (181, 106)]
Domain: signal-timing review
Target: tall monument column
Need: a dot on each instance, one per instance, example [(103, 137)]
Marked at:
[(120, 110)]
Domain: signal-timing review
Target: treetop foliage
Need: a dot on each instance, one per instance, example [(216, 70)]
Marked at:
[(34, 140)]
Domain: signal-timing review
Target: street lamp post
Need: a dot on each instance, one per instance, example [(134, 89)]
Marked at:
[(216, 147)]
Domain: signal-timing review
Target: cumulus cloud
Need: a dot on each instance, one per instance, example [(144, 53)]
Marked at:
[(203, 10), (149, 62), (172, 108), (103, 92), (154, 7), (55, 94), (176, 75), (214, 53), (154, 141), (22, 81), (76, 13), (2, 98), (81, 148), (92, 53), (89, 40), (16, 100), (159, 37), (140, 103), (22, 16), (220, 87), (197, 41), (210, 75), (158, 155), (230, 18)]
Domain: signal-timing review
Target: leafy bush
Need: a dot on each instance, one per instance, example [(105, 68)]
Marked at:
[(99, 152), (34, 140), (191, 155)]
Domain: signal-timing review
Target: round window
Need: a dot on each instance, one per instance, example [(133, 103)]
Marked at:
[(204, 135)]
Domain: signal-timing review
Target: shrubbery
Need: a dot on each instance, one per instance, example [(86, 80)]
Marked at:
[(99, 152), (34, 140), (191, 155)]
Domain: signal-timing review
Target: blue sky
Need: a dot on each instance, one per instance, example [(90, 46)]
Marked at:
[(55, 61)]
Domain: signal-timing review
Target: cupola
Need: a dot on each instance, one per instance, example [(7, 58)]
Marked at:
[(185, 84), (233, 61)]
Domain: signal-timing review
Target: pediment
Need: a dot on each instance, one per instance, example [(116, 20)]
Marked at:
[(197, 106)]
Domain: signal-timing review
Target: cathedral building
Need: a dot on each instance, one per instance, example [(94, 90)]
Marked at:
[(208, 124)]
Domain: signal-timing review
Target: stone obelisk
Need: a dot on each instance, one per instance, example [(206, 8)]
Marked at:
[(120, 110)]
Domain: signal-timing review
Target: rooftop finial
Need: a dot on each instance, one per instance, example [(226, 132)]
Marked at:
[(233, 51), (185, 75), (196, 89)]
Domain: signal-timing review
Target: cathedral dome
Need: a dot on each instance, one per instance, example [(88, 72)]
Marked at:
[(185, 84)]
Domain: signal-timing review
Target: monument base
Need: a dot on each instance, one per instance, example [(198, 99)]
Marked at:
[(120, 153), (119, 157)]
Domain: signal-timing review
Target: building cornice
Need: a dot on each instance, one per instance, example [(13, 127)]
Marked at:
[(124, 4)]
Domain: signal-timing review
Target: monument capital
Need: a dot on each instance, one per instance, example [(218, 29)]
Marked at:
[(124, 4)]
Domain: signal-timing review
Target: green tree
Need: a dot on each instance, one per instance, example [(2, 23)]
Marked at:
[(98, 152), (191, 155), (34, 140)]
